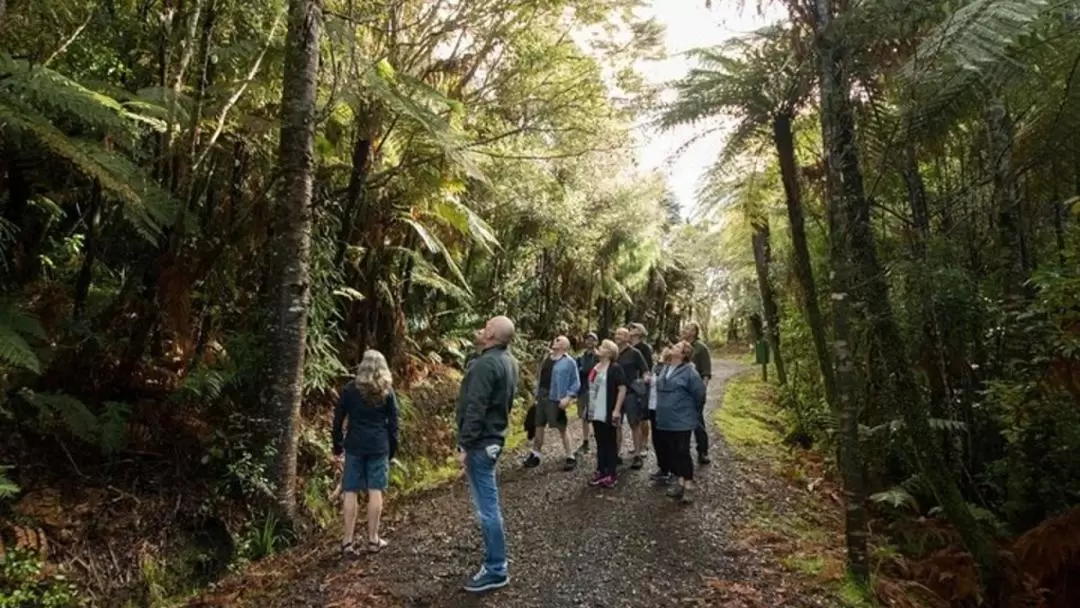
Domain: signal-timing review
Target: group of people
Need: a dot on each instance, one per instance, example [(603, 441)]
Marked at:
[(620, 380), (611, 381)]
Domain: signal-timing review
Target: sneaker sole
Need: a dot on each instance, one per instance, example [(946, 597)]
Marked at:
[(489, 586)]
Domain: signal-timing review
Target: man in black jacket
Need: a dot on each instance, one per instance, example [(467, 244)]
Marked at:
[(483, 411), (585, 362)]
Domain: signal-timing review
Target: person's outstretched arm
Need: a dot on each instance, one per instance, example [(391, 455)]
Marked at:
[(392, 423)]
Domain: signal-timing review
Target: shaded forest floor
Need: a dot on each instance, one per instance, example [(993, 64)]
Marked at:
[(749, 540)]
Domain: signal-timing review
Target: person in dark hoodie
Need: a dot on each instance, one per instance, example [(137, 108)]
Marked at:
[(483, 411), (585, 362), (371, 407)]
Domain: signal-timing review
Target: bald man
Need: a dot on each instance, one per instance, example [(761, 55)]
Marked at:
[(558, 386), (483, 411)]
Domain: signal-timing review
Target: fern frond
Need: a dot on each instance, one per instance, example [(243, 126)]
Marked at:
[(113, 426), (424, 273), (8, 489), (73, 413), (57, 96), (15, 327), (466, 222), (147, 207), (413, 100)]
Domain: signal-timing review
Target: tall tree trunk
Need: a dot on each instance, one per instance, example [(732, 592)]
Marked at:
[(762, 258), (1014, 258), (860, 276), (839, 152), (785, 151), (293, 247)]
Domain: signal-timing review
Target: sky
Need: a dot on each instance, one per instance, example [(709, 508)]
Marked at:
[(688, 25)]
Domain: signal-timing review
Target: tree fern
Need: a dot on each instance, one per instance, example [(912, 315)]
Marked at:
[(71, 412), (16, 326), (971, 49)]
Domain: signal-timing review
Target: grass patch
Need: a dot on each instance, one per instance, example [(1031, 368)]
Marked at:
[(751, 421)]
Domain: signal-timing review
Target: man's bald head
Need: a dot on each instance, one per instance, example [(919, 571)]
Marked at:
[(499, 330), (559, 346)]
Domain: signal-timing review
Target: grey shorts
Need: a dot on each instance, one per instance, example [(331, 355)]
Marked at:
[(583, 405), (548, 414), (635, 407)]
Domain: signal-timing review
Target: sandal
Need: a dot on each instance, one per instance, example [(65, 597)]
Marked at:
[(349, 550), (375, 546)]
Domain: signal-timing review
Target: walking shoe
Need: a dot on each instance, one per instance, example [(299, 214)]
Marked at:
[(583, 448), (569, 464), (638, 462), (608, 482), (676, 492), (703, 459), (660, 477), (486, 581), (531, 461), (596, 479)]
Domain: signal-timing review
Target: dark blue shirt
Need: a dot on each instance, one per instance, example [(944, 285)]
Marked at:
[(373, 427)]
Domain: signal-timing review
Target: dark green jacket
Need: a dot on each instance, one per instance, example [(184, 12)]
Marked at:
[(701, 359), (487, 393)]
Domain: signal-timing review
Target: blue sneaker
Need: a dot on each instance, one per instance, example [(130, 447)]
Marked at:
[(486, 581)]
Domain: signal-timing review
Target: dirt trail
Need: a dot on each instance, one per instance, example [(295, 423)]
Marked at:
[(570, 545)]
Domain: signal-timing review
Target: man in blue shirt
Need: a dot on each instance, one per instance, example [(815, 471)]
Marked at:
[(558, 386)]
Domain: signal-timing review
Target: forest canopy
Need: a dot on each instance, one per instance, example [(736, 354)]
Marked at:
[(209, 209)]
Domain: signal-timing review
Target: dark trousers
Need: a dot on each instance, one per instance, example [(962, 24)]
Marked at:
[(701, 436), (606, 449), (673, 453)]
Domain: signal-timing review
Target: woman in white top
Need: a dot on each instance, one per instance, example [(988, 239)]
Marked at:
[(607, 391)]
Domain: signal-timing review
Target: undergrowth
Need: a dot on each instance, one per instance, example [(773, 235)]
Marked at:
[(804, 537)]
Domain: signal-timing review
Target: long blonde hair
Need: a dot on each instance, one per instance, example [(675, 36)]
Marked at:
[(373, 377)]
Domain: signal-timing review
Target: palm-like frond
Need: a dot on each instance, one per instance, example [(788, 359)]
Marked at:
[(418, 103), (35, 100), (16, 327), (749, 80), (971, 50)]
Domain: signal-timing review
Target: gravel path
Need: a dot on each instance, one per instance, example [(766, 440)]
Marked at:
[(569, 545)]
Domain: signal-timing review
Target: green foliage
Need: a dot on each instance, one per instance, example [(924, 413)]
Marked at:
[(8, 489), (16, 328), (106, 430), (263, 538), (26, 582)]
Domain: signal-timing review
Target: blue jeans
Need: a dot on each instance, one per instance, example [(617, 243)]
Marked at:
[(480, 470)]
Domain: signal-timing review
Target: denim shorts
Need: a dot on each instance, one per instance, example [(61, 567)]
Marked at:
[(365, 473)]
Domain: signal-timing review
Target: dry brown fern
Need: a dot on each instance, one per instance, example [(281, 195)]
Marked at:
[(1048, 560), (28, 540)]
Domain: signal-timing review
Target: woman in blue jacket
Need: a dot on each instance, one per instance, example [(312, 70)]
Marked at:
[(371, 407), (679, 392)]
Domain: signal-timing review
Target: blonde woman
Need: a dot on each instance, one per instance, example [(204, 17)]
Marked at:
[(607, 392), (371, 407)]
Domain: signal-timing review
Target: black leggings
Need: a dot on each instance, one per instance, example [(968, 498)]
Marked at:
[(673, 453), (607, 451)]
